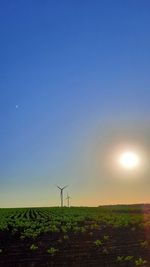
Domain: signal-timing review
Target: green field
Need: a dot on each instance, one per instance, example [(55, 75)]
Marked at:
[(75, 236)]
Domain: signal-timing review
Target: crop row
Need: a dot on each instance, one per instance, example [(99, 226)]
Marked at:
[(38, 220)]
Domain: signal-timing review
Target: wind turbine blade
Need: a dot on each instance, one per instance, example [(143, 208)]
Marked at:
[(58, 187), (65, 186)]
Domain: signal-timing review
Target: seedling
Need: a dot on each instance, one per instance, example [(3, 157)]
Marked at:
[(120, 259), (33, 247), (106, 237), (144, 244), (52, 251), (140, 262), (128, 258), (124, 259), (98, 243), (66, 237)]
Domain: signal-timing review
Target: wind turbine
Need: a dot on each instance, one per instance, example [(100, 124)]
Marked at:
[(68, 198), (61, 193)]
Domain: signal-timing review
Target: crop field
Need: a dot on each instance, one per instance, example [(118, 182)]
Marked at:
[(76, 236)]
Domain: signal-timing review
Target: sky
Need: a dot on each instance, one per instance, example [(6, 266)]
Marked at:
[(74, 92)]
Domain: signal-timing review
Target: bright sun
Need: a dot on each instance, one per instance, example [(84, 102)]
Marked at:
[(129, 160)]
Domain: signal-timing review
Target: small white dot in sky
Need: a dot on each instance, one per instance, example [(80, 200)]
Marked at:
[(17, 106)]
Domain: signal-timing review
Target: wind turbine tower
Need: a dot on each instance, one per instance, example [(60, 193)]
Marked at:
[(61, 193), (68, 199)]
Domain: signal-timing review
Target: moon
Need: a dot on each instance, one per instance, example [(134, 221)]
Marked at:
[(129, 160)]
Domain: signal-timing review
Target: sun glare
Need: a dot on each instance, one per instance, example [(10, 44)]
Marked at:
[(129, 160)]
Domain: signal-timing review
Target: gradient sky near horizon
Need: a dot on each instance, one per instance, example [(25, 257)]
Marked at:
[(74, 89)]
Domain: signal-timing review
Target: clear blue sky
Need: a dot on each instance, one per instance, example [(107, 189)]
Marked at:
[(72, 67)]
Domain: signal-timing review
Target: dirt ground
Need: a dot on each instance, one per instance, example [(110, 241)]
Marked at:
[(79, 250)]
